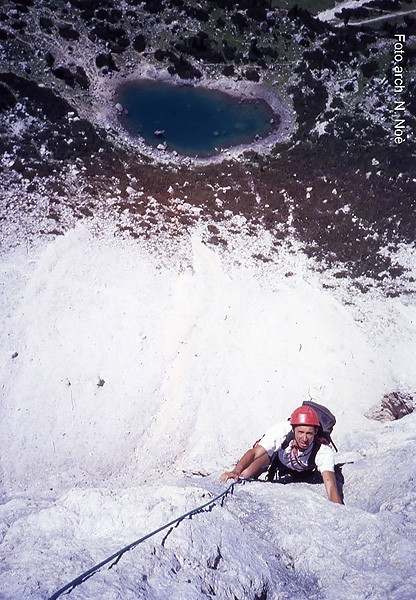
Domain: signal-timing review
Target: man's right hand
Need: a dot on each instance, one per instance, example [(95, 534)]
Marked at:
[(229, 475)]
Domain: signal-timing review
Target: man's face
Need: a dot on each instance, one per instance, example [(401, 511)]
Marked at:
[(304, 435)]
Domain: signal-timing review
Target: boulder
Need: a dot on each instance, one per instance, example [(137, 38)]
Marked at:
[(394, 405)]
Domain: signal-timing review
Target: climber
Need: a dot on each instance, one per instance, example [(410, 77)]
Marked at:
[(297, 453)]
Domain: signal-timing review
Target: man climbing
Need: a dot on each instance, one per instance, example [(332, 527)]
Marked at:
[(296, 453)]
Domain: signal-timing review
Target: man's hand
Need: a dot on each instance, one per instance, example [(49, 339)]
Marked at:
[(254, 461), (229, 475)]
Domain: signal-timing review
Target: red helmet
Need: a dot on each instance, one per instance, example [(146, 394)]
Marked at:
[(304, 415)]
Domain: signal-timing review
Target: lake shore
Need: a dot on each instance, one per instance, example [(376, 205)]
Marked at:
[(108, 111)]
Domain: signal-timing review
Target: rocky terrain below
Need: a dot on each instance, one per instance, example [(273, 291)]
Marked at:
[(340, 185)]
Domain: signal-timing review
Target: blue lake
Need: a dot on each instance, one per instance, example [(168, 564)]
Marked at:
[(193, 121)]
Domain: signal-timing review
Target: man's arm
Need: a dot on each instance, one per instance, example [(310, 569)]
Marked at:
[(253, 460), (331, 487)]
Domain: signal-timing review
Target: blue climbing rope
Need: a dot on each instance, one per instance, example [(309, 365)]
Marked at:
[(116, 557)]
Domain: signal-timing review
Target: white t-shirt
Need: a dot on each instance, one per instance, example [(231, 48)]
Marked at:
[(297, 461)]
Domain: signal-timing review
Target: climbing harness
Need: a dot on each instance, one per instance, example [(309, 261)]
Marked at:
[(116, 557)]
